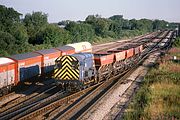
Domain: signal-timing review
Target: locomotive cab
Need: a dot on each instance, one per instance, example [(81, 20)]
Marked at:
[(75, 71)]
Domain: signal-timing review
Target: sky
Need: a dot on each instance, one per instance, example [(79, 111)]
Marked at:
[(75, 10)]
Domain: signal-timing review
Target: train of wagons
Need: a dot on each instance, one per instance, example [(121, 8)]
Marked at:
[(74, 65), (80, 70), (22, 67)]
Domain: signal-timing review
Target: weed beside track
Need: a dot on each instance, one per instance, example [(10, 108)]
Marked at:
[(159, 96)]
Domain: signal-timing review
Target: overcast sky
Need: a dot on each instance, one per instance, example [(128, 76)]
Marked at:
[(58, 10)]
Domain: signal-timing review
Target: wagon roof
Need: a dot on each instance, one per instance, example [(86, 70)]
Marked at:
[(47, 51), (25, 56)]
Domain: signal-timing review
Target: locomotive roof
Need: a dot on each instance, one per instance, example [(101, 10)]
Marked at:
[(25, 56), (82, 56)]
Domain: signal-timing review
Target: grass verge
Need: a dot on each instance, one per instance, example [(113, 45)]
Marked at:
[(159, 96)]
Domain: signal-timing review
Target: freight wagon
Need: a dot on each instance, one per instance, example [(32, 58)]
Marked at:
[(8, 75), (29, 66)]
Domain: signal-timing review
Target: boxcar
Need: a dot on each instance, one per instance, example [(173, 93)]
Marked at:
[(48, 59), (8, 74), (28, 65)]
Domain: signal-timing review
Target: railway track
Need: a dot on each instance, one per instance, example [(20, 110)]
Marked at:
[(59, 105), (33, 92), (17, 97), (82, 107), (31, 105), (88, 100)]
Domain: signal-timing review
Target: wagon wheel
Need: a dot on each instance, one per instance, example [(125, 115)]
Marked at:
[(110, 71), (115, 68), (100, 77)]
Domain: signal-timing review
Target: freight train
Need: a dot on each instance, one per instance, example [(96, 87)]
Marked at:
[(24, 67), (80, 70), (74, 65)]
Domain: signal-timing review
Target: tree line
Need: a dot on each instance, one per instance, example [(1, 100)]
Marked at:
[(33, 32)]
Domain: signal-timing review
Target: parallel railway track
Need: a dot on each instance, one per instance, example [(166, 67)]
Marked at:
[(59, 105), (82, 107), (14, 98), (56, 104), (36, 90)]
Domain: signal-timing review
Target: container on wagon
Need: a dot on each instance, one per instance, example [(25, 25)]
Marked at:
[(48, 59), (103, 58), (28, 65), (81, 47), (8, 72)]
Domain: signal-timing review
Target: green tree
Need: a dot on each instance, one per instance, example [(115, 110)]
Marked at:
[(7, 44), (80, 31), (8, 16), (53, 35), (100, 25), (18, 30), (34, 23), (159, 24)]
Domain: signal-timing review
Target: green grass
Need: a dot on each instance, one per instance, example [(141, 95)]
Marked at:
[(159, 95), (177, 42)]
